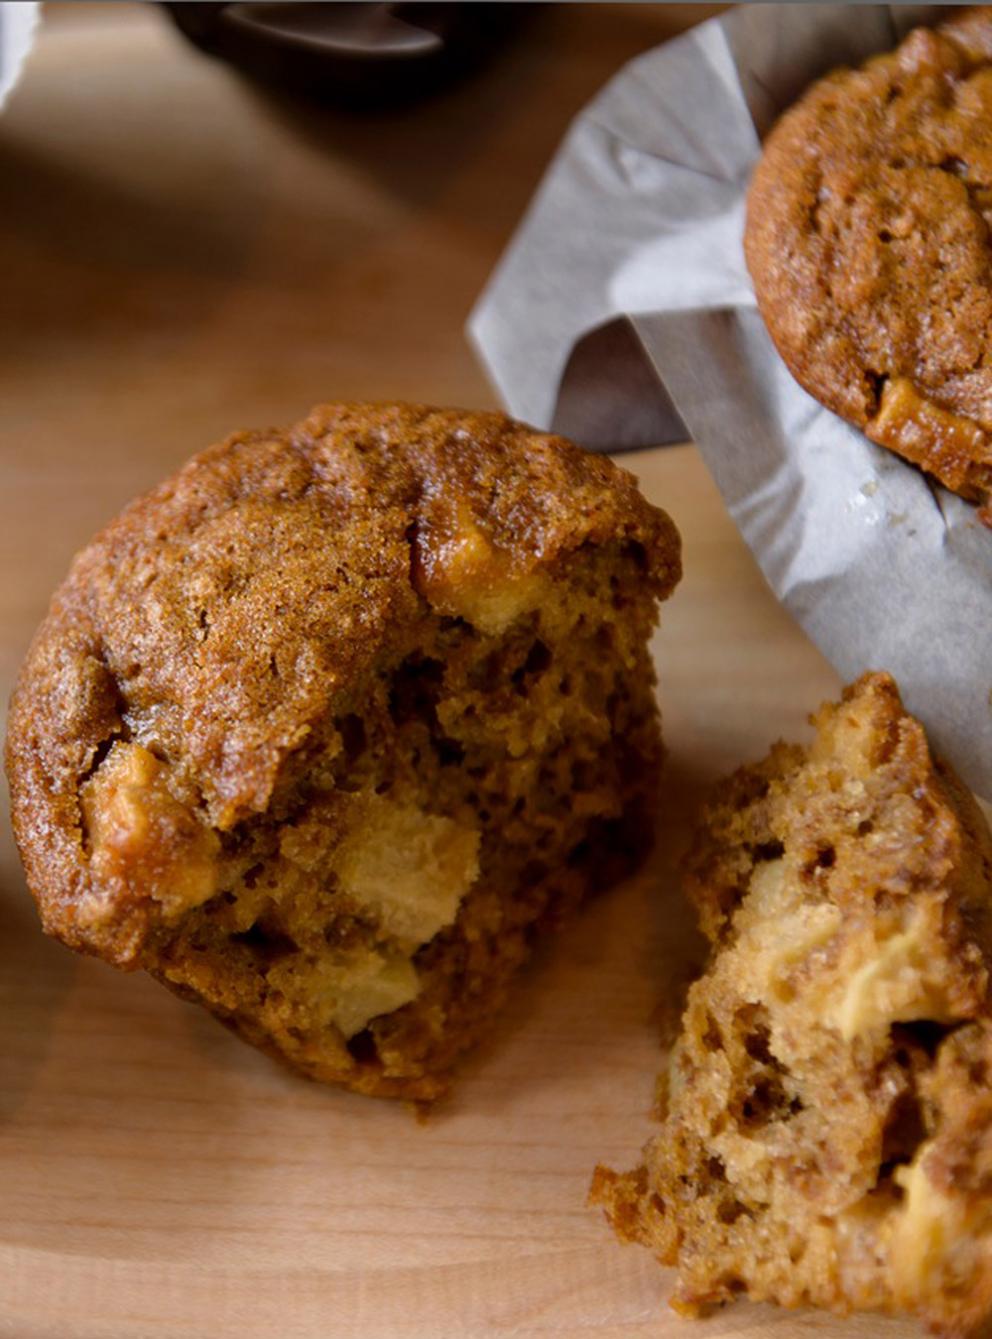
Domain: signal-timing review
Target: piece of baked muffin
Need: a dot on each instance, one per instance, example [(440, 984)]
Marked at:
[(326, 728), (827, 1135), (867, 239)]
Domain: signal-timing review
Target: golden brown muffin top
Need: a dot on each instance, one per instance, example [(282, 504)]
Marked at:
[(868, 242), (222, 618)]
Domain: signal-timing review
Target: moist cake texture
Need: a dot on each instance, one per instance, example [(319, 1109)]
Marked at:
[(326, 728), (827, 1109), (867, 239)]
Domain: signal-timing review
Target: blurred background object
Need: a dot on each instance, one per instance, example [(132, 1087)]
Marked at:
[(17, 27), (363, 55)]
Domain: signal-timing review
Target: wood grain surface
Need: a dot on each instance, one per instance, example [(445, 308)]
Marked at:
[(181, 254)]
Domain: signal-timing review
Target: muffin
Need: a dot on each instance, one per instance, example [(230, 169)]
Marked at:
[(827, 1110), (867, 238), (325, 730)]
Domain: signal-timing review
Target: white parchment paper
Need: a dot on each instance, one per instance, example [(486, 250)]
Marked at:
[(622, 312), (18, 23)]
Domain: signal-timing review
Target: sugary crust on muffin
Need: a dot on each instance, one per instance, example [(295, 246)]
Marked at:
[(867, 239), (187, 741), (827, 1137)]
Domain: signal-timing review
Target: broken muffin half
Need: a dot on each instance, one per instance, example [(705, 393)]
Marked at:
[(326, 728), (827, 1111)]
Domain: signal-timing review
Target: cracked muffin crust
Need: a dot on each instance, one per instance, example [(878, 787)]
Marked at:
[(326, 728), (867, 239), (827, 1109)]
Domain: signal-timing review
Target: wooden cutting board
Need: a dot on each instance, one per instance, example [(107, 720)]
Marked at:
[(180, 255)]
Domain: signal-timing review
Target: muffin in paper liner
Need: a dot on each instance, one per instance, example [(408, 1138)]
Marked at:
[(623, 310)]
